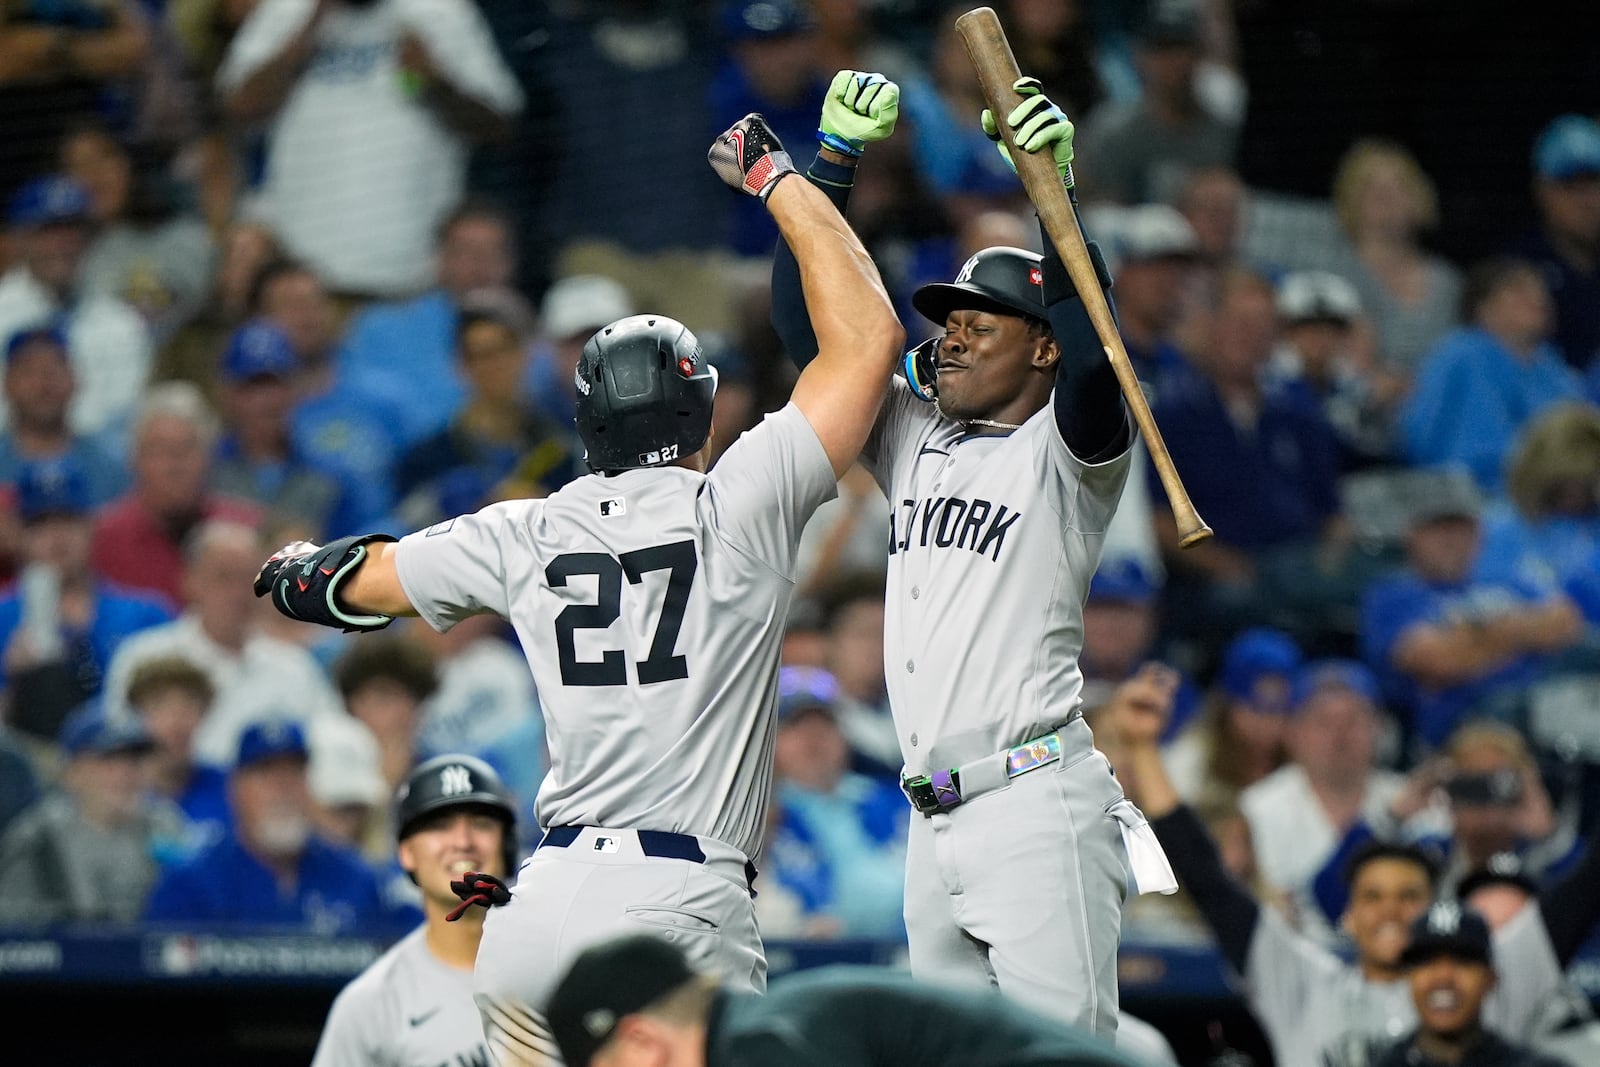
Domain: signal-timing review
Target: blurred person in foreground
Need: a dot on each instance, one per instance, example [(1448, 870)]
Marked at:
[(454, 817), (271, 868), (1447, 644), (1450, 969), (371, 108), (90, 850), (634, 1001), (1318, 1008)]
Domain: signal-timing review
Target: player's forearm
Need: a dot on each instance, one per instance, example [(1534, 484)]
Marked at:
[(834, 174), (374, 587), (1230, 910), (1152, 788), (850, 311), (1571, 908)]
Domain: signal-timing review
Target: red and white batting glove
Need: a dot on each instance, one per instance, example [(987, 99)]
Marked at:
[(750, 158)]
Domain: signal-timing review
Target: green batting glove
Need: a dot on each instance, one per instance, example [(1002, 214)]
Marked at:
[(1036, 122), (860, 109)]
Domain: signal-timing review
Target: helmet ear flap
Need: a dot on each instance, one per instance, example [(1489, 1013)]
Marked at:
[(921, 368)]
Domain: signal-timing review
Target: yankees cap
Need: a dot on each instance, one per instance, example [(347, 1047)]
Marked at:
[(1448, 929), (606, 982)]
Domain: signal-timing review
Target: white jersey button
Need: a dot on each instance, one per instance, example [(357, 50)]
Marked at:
[(911, 666), (915, 592), (913, 740)]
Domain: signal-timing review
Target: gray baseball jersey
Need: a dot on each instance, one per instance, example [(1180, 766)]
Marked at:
[(1319, 1011), (651, 607), (409, 1009), (993, 541)]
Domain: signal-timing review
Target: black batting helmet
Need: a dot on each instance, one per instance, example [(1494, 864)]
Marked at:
[(644, 394), (452, 781), (1005, 280)]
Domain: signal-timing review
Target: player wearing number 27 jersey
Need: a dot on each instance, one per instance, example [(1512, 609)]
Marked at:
[(650, 600)]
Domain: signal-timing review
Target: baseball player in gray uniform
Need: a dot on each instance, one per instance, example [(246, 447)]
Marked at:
[(1003, 454), (413, 1006), (650, 598)]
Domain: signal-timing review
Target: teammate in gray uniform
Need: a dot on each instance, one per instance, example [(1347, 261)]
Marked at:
[(1000, 492), (650, 599), (413, 1006), (1318, 1009)]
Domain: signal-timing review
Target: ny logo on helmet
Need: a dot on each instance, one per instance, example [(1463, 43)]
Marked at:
[(454, 780), (965, 273)]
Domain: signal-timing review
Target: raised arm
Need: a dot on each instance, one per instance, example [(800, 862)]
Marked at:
[(859, 109), (1571, 907), (1089, 410), (1138, 714), (858, 336)]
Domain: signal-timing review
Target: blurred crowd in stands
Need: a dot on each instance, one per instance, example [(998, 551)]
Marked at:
[(284, 269)]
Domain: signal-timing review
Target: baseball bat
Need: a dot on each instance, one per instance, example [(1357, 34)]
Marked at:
[(991, 55)]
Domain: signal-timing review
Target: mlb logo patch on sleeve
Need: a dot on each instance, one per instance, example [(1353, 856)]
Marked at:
[(439, 528), (617, 505)]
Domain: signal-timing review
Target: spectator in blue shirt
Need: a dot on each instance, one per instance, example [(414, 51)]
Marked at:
[(1483, 382), (256, 457), (60, 625), (1446, 644), (1546, 534), (270, 869), (403, 353), (840, 837)]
